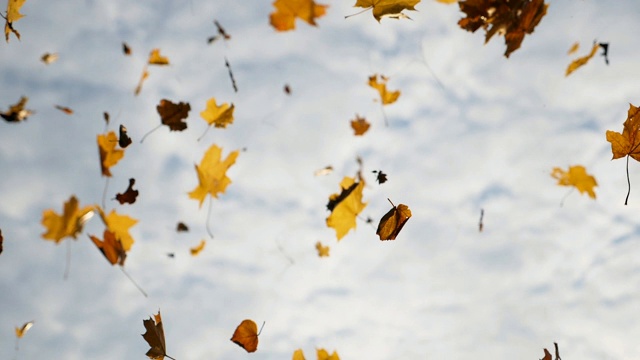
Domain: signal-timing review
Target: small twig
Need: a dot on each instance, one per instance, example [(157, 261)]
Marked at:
[(204, 133), (358, 13), (384, 115), (134, 283), (480, 224), (628, 183), (233, 80), (557, 351)]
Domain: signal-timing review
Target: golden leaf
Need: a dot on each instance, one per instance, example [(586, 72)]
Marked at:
[(218, 116), (345, 206), (212, 178), (576, 176), (573, 48), (283, 19), (197, 249), (575, 64), (13, 15), (70, 223), (110, 247), (322, 250), (20, 331), (627, 143), (298, 355), (359, 125), (156, 59), (119, 225), (324, 355), (48, 58), (109, 155), (386, 97), (388, 8)]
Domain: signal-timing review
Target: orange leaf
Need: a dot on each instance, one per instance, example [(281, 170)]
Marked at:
[(212, 177), (345, 206), (246, 335), (129, 195), (143, 77), (359, 125), (65, 109), (287, 11), (70, 223), (156, 59), (388, 8), (20, 331), (324, 355), (119, 225), (574, 48), (13, 15), (218, 116), (513, 19), (576, 176), (111, 248), (386, 97), (575, 64), (109, 155), (154, 336), (17, 112), (322, 250), (173, 115), (393, 221), (627, 143), (197, 249)]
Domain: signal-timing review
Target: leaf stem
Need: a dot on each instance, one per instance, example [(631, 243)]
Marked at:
[(628, 183), (104, 195), (136, 285), (359, 12), (150, 131), (68, 263), (209, 217), (169, 357), (204, 133)]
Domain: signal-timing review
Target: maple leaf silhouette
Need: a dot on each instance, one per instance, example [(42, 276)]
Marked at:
[(154, 336), (323, 251), (628, 143), (359, 125), (109, 155), (130, 195), (173, 115)]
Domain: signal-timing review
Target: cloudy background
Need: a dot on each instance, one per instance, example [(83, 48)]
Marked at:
[(471, 130)]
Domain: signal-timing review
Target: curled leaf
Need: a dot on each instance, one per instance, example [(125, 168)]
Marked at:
[(130, 195), (345, 206), (182, 227), (110, 247), (388, 8), (123, 140), (198, 248), (119, 225), (575, 64), (65, 109), (13, 15), (20, 331), (49, 58), (393, 221)]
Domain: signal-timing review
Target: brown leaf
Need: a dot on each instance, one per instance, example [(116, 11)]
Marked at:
[(110, 247), (105, 115), (65, 109), (221, 33), (246, 335), (182, 227), (359, 125), (547, 355), (173, 115), (123, 140), (17, 112), (381, 177), (287, 89), (129, 195), (154, 336), (1, 240), (126, 49), (393, 221)]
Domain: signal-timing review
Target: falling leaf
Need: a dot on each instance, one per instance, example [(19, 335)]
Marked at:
[(171, 255), (218, 116), (287, 89), (298, 355), (388, 8), (221, 33), (574, 48), (345, 206), (48, 58), (246, 335), (109, 155), (480, 222), (110, 247), (324, 355), (284, 17), (324, 171), (380, 177), (627, 143), (17, 112), (605, 52), (386, 97), (233, 80), (156, 59), (322, 250), (1, 241), (105, 115), (123, 140), (182, 227), (69, 223), (393, 221), (21, 331), (130, 195), (145, 75), (173, 115), (575, 64), (576, 176), (197, 249), (126, 49), (154, 336), (13, 15), (359, 125), (513, 19), (119, 225), (64, 109), (547, 355), (212, 178)]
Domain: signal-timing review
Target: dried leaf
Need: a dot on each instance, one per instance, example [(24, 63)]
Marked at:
[(64, 109), (173, 115), (246, 335), (154, 336), (547, 355), (109, 155), (359, 126), (283, 18), (287, 89), (212, 178), (13, 15), (69, 223), (573, 48), (156, 59), (388, 8), (380, 177), (345, 206), (123, 140), (198, 248), (17, 112), (233, 80), (575, 64), (627, 143), (48, 58), (218, 116), (126, 49), (324, 171), (576, 176), (105, 115), (386, 97), (221, 33), (119, 225), (322, 250), (447, 1), (324, 355), (21, 331), (182, 227), (511, 18), (110, 247), (130, 195), (605, 52), (143, 77), (393, 221)]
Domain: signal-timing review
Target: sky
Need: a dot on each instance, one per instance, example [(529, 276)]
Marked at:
[(471, 130)]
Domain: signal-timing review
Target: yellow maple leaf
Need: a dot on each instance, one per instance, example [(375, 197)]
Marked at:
[(360, 125), (212, 178), (13, 15), (283, 19), (109, 155), (218, 116), (627, 143), (156, 59), (324, 355), (386, 97), (70, 223), (198, 248), (345, 206), (576, 176), (388, 8), (575, 64), (298, 355), (322, 250), (119, 225)]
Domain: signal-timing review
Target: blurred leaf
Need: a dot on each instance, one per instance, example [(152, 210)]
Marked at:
[(345, 206), (576, 176), (70, 223)]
